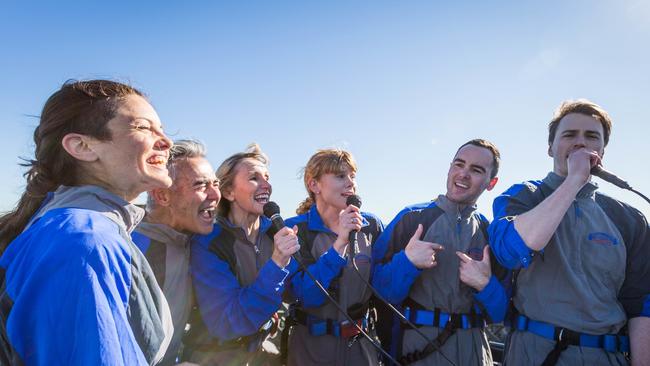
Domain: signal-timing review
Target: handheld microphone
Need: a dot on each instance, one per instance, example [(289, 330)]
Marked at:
[(272, 211), (355, 201), (609, 177)]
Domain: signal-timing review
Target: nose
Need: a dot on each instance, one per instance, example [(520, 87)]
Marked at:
[(580, 141), (353, 182), (266, 184), (214, 193), (164, 142)]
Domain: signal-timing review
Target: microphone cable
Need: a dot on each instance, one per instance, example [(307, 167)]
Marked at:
[(401, 316), (272, 211), (607, 176), (356, 201)]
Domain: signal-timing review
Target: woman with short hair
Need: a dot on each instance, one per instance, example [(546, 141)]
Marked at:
[(320, 334)]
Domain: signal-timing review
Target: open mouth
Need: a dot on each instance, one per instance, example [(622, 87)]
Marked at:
[(207, 213), (461, 185), (158, 160), (262, 198)]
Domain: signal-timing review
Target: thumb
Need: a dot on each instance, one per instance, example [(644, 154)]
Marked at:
[(418, 233), (295, 229), (486, 254)]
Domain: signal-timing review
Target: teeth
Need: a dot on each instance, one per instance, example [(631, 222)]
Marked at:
[(157, 160), (207, 213), (262, 197), (461, 185)]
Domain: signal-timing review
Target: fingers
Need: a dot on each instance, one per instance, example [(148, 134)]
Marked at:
[(286, 241), (486, 254), (418, 233), (352, 208), (435, 246), (464, 257), (350, 219), (594, 159)]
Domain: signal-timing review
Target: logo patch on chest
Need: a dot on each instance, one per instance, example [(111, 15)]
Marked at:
[(602, 238)]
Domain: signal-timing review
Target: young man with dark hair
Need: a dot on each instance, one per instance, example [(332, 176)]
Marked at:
[(582, 258)]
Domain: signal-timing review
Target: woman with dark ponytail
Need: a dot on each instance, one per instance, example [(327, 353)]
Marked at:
[(319, 333), (74, 289)]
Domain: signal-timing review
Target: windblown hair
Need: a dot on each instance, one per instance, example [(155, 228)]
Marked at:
[(183, 150), (83, 107), (326, 161), (228, 170)]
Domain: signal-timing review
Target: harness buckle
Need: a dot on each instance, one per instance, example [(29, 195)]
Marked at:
[(559, 337)]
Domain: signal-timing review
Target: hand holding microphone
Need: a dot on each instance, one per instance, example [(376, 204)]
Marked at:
[(350, 221), (285, 240)]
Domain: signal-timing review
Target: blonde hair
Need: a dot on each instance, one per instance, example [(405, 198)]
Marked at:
[(228, 169), (326, 161)]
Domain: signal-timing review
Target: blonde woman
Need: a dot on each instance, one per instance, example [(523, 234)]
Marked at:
[(239, 271), (319, 333)]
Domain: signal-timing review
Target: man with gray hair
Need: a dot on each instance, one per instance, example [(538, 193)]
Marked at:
[(173, 215)]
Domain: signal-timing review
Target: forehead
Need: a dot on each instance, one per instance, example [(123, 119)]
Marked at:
[(475, 155), (341, 168), (249, 165), (133, 107), (193, 168), (580, 122)]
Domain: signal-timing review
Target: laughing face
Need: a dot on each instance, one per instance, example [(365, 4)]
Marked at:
[(194, 196), (333, 189), (251, 189), (134, 160), (469, 175)]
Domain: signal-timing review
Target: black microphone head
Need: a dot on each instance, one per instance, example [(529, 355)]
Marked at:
[(354, 200), (271, 208)]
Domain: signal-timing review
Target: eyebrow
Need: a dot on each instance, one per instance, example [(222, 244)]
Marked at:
[(151, 122), (596, 132), (479, 167)]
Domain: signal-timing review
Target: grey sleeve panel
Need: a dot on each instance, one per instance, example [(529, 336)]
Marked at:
[(636, 235)]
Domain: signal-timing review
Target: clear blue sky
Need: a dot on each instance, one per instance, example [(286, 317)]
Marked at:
[(400, 84)]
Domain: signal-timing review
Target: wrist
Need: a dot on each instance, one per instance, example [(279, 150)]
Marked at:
[(340, 246), (280, 260), (482, 284)]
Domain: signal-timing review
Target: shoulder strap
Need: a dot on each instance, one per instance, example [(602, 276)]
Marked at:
[(223, 245)]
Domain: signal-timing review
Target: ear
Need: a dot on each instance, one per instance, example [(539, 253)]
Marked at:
[(78, 146), (229, 195), (313, 186), (550, 150), (492, 183), (161, 196)]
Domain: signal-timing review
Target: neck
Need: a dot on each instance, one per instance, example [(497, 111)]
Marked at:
[(248, 221), (164, 216), (329, 214), (92, 178)]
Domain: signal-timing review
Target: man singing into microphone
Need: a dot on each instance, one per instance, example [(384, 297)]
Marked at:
[(433, 259), (582, 259)]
